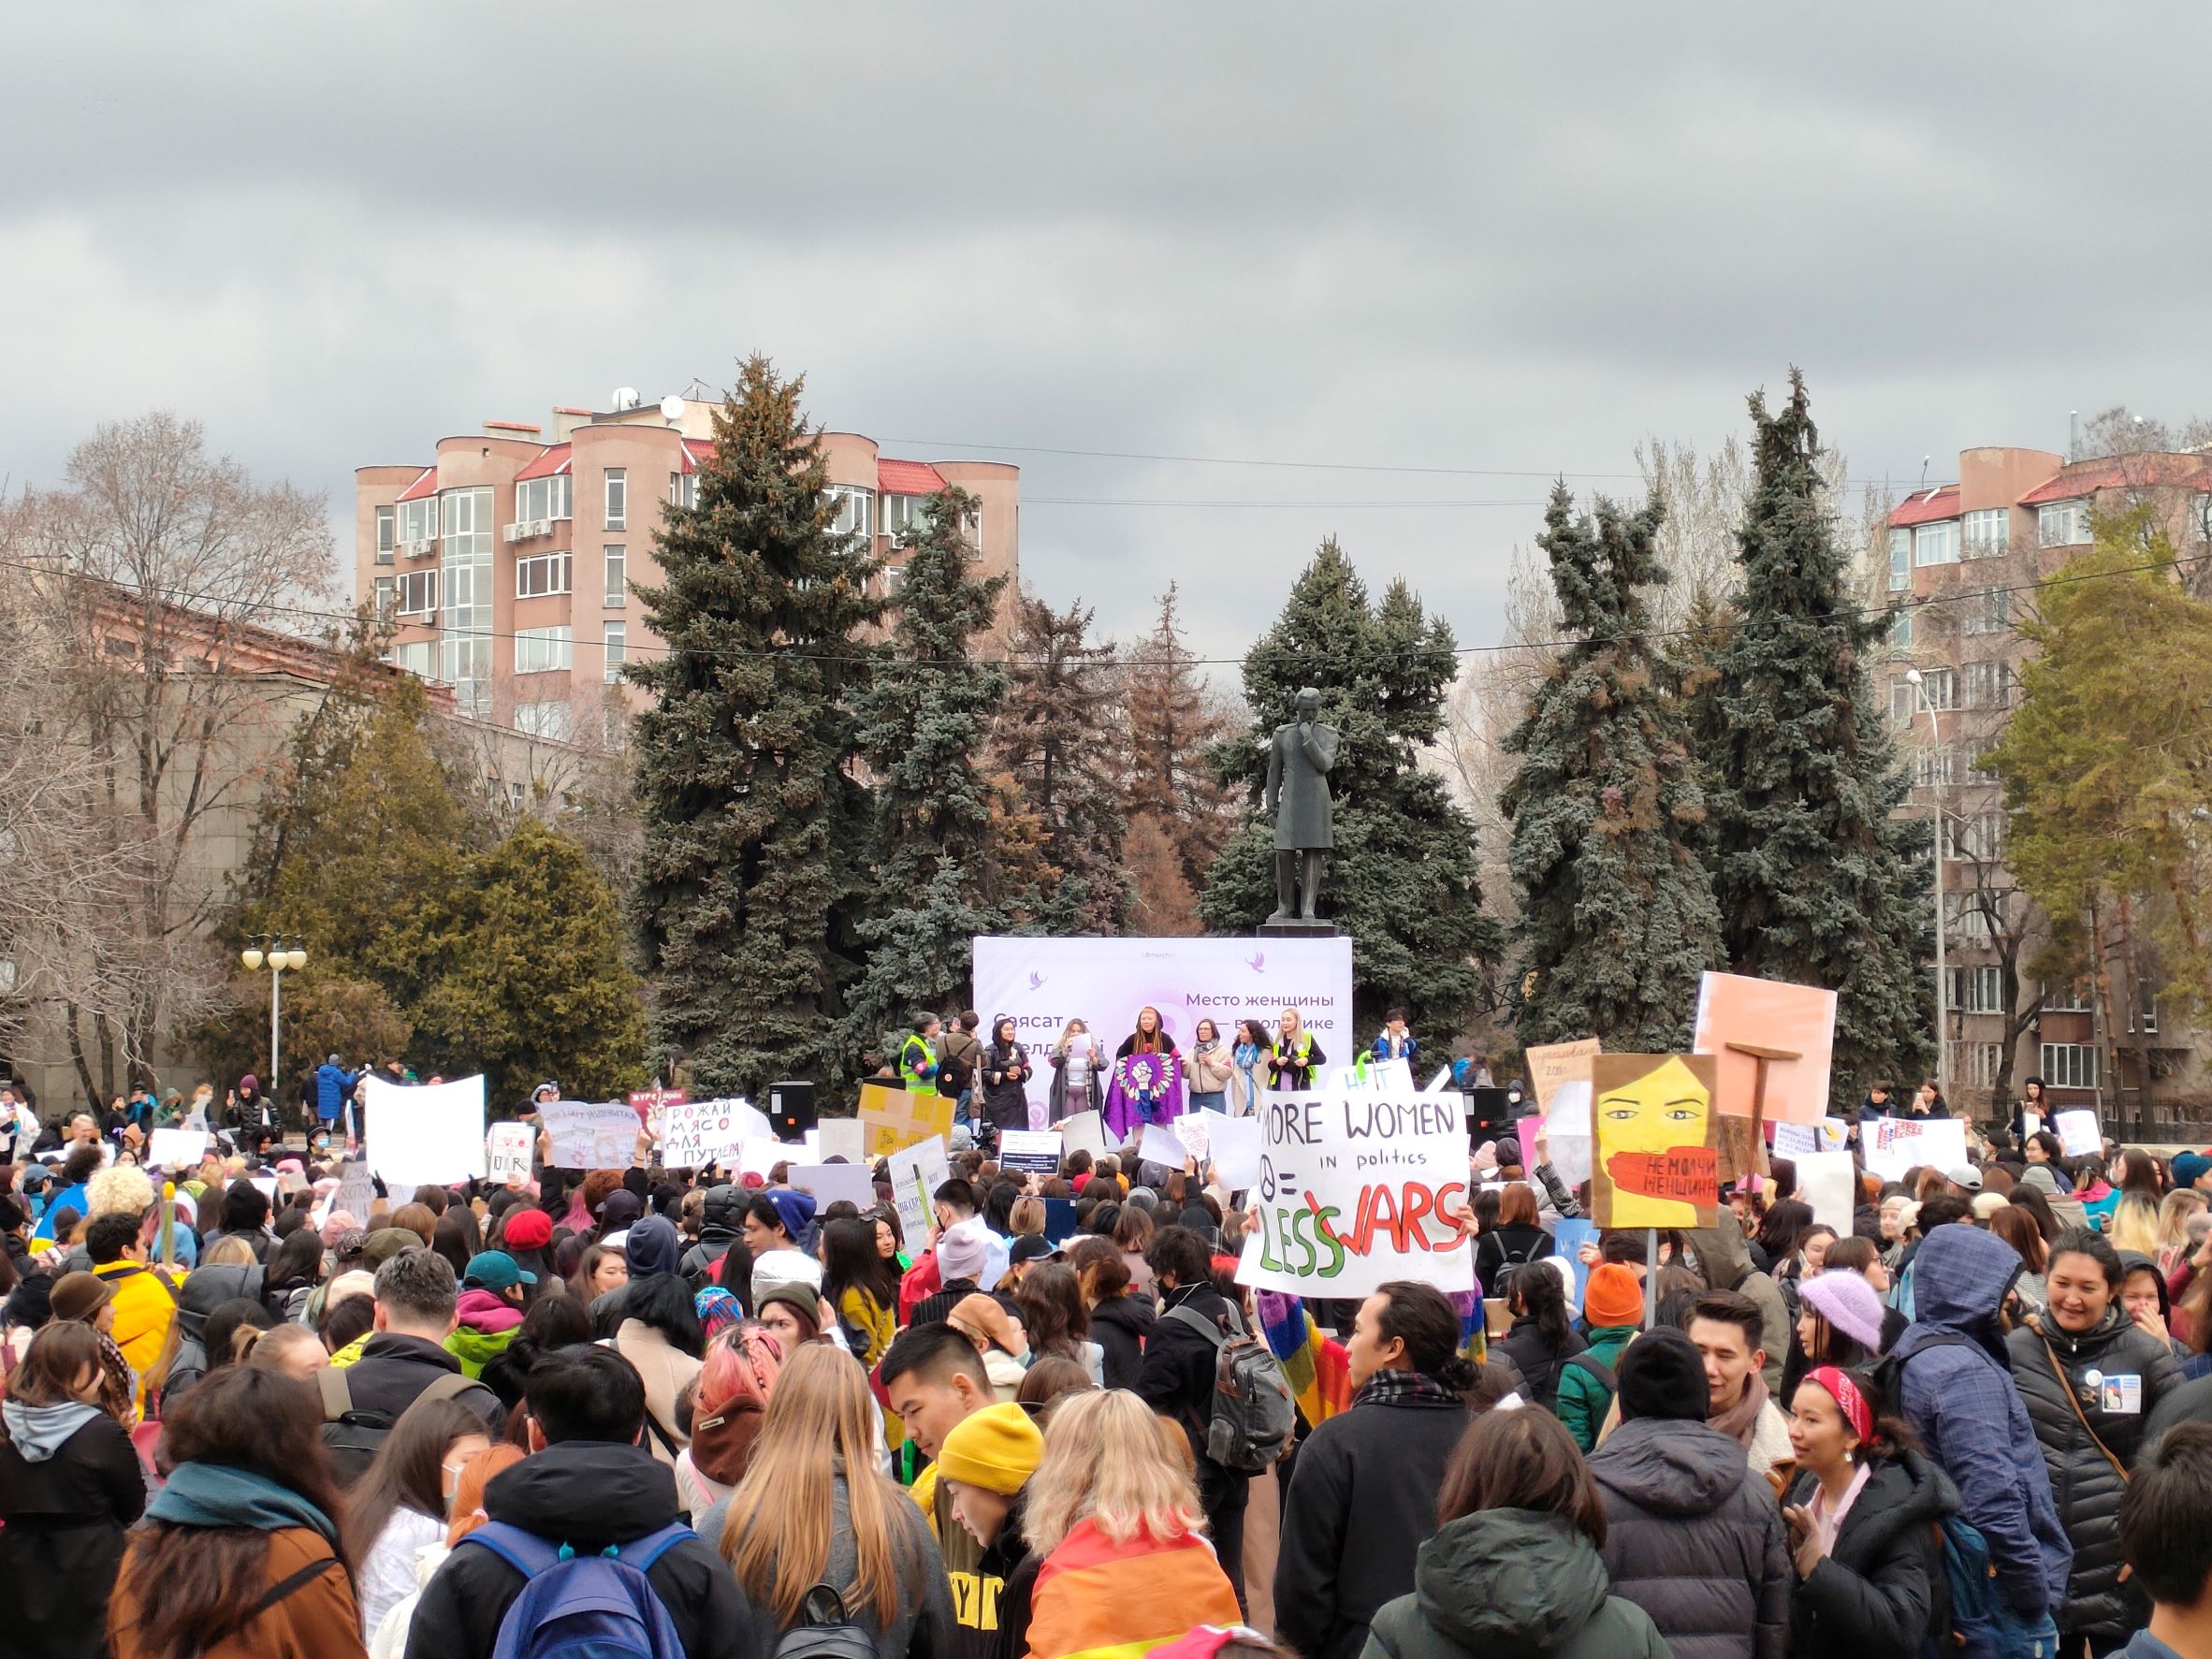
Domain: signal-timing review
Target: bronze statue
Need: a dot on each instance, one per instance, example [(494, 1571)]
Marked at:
[(1298, 763)]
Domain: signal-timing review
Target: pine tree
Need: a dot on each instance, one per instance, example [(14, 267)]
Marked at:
[(1173, 720), (1166, 907), (752, 878), (1054, 741), (923, 724), (1818, 882), (1617, 912), (1402, 879)]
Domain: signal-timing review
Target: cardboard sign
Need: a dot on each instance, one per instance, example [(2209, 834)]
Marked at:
[(1235, 1146), (829, 1182), (1827, 1181), (1799, 1020), (1355, 1191), (1550, 1063), (892, 1118), (1655, 1151), (1086, 1132), (1892, 1146), (431, 1135), (695, 1133), (508, 1149), (843, 1137), (1037, 1150), (2080, 1132), (171, 1149), (916, 1172)]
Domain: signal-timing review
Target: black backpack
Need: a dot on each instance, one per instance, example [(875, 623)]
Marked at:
[(824, 1631), (354, 1435)]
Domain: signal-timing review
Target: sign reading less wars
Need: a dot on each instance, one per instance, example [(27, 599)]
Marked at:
[(1357, 1189)]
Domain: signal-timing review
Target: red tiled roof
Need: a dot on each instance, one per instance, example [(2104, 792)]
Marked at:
[(904, 477), (694, 450), (552, 461), (423, 487), (2129, 472), (1925, 507)]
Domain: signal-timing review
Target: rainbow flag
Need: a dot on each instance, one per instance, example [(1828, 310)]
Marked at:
[(1314, 1365)]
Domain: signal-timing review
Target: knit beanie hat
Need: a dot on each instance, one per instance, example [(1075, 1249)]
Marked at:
[(997, 1448), (1663, 1375), (962, 1250), (1613, 1297), (793, 1209), (1848, 1302), (652, 1247)]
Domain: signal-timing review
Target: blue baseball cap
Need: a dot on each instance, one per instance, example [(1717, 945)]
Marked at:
[(495, 1270)]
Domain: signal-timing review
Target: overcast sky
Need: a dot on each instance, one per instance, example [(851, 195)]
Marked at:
[(1440, 237)]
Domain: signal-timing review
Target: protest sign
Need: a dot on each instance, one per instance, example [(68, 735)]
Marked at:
[(1086, 1132), (1348, 1080), (757, 1157), (652, 1106), (845, 1138), (1802, 1140), (2030, 1124), (1441, 1082), (1795, 1027), (1550, 1063), (508, 1150), (1036, 1150), (1160, 1145), (1355, 1191), (356, 1192), (588, 1134), (1060, 1222), (695, 1133), (1893, 1146), (892, 1118), (169, 1149), (1827, 1181), (1390, 1077), (1567, 1239), (1195, 1133), (916, 1172), (1235, 1146), (2079, 1132), (1655, 1141), (431, 1135), (829, 1182), (267, 1187)]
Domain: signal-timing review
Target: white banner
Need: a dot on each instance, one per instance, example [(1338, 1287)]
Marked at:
[(591, 1134), (172, 1148), (1355, 1190), (1892, 1146), (1827, 1181), (1042, 983), (430, 1135), (1236, 1144), (695, 1133)]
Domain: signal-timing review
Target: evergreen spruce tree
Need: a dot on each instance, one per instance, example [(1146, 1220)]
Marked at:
[(1818, 882), (1617, 912), (923, 724), (1173, 720), (1055, 744), (754, 879), (1402, 879)]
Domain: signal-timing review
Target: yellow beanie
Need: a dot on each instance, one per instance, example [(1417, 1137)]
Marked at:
[(997, 1448)]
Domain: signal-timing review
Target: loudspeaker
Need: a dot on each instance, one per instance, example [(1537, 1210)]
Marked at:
[(791, 1109)]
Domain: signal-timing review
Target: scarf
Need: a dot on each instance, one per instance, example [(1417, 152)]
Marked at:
[(218, 1494), (1741, 1421), (1406, 1388), (721, 1444), (119, 1383), (37, 1432)]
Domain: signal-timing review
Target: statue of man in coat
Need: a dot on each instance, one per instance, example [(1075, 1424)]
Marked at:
[(1298, 763)]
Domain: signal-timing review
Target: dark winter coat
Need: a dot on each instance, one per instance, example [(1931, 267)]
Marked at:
[(590, 1494), (1694, 1538), (1177, 1380), (1005, 1099), (1881, 1589), (1500, 1250), (64, 1518), (1537, 1361), (204, 1291), (1120, 1326), (2086, 1485), (394, 1369), (1958, 1393), (1362, 1498), (1511, 1584)]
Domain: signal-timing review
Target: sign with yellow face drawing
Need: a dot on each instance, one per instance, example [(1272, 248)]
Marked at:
[(1656, 1159)]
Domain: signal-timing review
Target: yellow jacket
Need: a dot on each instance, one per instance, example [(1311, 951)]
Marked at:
[(145, 1311)]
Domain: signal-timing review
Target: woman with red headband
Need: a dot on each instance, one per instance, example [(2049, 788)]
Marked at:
[(1860, 1511)]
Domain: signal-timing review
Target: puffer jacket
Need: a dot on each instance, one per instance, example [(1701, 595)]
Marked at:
[(204, 1291), (1504, 1584), (1539, 1363), (1120, 1325), (2084, 1482), (1881, 1590), (1956, 1391), (1694, 1538)]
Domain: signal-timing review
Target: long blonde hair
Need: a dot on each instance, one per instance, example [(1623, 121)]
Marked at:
[(777, 1534), (1110, 1460), (2175, 1211), (2136, 1225)]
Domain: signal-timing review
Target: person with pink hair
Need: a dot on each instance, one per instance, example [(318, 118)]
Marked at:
[(728, 1399)]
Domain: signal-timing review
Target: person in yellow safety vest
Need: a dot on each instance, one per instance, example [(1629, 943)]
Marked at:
[(917, 1056)]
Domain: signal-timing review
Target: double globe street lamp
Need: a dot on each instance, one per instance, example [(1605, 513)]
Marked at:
[(278, 957)]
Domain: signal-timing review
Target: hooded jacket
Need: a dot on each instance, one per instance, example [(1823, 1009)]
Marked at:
[(1539, 1363), (1504, 1583), (721, 1221), (1881, 1589), (1120, 1326), (588, 1494), (204, 1291), (70, 1484), (1694, 1538), (489, 1322), (2084, 1484), (1956, 1390)]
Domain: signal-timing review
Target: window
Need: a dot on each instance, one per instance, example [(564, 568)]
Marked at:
[(536, 578), (544, 719), (384, 599), (1991, 611), (1976, 989), (1969, 915), (2069, 1065), (683, 489), (418, 658), (418, 519), (856, 510), (1931, 767), (903, 516), (542, 498), (618, 650), (1936, 544), (464, 594), (1977, 773), (1901, 631), (1900, 560), (617, 579), (2146, 999), (386, 532), (2071, 997), (418, 592), (1988, 685), (1982, 835), (1940, 685), (2062, 524), (1973, 1065), (541, 650), (1987, 533), (618, 498)]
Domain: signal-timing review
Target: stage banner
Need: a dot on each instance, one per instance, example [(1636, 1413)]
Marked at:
[(1042, 983)]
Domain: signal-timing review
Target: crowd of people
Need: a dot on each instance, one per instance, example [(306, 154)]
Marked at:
[(721, 1417)]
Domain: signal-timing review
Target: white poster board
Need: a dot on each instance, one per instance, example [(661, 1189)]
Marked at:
[(2080, 1132), (1235, 1145), (1085, 1131), (757, 1157), (507, 1150), (1441, 1082), (1355, 1191), (1827, 1181), (431, 1135), (590, 1134), (1195, 1130), (916, 1172), (695, 1133), (843, 1137), (1567, 1131), (1390, 1077), (356, 1192), (1892, 1146), (168, 1149), (1802, 1140), (829, 1182), (1160, 1145)]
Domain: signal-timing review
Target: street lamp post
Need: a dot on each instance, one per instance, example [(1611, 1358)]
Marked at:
[(277, 958), (1935, 731)]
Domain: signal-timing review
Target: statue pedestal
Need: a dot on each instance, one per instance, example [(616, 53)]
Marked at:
[(1297, 929)]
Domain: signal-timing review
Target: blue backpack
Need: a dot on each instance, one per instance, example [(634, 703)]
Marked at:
[(583, 1606), (1983, 1625)]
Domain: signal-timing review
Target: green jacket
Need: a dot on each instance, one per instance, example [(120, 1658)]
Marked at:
[(475, 1349), (1583, 1400)]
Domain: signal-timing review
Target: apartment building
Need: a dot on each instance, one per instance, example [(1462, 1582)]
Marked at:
[(507, 562), (1964, 559)]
